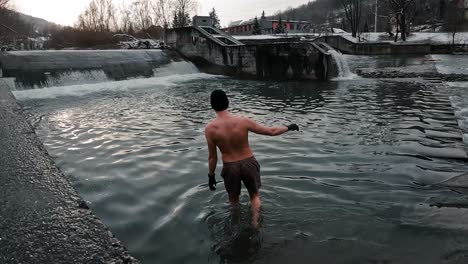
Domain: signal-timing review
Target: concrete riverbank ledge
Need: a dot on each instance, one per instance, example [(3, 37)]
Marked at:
[(347, 46), (42, 218)]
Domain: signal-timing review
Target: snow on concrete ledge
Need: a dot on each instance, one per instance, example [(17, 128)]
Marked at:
[(419, 37), (259, 37)]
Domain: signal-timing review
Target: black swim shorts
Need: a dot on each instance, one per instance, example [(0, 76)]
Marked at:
[(247, 171)]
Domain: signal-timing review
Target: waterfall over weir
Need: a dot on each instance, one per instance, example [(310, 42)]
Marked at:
[(342, 65), (41, 69)]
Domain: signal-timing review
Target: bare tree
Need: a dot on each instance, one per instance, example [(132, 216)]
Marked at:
[(125, 18), (5, 4), (99, 16), (141, 10), (162, 10), (454, 17), (88, 20), (401, 9), (111, 16), (353, 12)]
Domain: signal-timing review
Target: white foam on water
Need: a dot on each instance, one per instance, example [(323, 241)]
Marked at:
[(84, 89), (67, 78), (181, 67), (168, 75), (344, 72), (77, 77), (353, 76)]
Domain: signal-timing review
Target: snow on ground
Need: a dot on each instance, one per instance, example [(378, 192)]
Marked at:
[(419, 37), (338, 30), (439, 38), (259, 37)]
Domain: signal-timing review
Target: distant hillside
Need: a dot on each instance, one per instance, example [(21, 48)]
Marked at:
[(314, 11), (18, 25), (39, 23), (331, 13)]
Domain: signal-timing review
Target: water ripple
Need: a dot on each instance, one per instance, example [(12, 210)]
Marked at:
[(368, 152)]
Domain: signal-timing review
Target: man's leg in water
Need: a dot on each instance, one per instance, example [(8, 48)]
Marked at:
[(234, 200), (255, 204), (235, 209)]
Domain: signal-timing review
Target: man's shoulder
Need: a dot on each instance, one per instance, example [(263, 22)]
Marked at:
[(240, 117), (244, 120), (210, 125)]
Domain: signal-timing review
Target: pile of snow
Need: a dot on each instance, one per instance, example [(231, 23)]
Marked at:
[(439, 37), (259, 37), (419, 37), (130, 42), (338, 31)]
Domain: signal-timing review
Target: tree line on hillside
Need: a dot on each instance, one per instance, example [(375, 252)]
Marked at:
[(102, 19), (139, 15), (100, 22), (17, 28), (397, 17)]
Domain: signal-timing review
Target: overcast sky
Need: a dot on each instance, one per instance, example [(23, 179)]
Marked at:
[(65, 12)]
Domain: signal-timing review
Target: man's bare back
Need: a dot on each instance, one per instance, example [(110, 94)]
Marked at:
[(230, 134)]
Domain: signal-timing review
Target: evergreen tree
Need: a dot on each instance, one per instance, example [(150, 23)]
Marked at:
[(263, 15), (130, 30), (181, 19), (215, 19), (257, 29), (366, 27), (280, 27), (175, 20)]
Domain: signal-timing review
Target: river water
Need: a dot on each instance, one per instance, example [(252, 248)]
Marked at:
[(355, 185)]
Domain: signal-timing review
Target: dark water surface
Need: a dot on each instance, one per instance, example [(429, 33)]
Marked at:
[(354, 186)]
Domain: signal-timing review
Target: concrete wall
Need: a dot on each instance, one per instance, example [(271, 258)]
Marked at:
[(206, 52), (448, 49), (297, 60), (32, 68), (202, 21), (42, 218), (387, 48)]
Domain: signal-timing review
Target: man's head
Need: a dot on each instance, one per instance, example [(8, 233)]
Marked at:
[(219, 100)]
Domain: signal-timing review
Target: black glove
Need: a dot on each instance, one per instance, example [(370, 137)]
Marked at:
[(293, 127), (212, 182)]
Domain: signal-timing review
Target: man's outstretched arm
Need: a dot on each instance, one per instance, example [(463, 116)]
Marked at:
[(269, 131), (212, 161)]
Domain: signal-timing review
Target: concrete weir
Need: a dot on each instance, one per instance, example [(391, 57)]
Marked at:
[(42, 218), (388, 48), (37, 69), (217, 52)]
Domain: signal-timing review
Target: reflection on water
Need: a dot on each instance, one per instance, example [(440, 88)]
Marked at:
[(354, 186), (390, 61), (235, 239)]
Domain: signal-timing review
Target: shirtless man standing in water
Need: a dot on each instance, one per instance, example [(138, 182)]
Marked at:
[(230, 134)]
